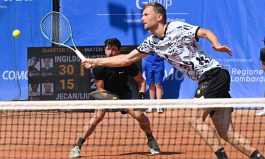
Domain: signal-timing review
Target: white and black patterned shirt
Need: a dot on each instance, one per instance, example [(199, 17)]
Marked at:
[(180, 48)]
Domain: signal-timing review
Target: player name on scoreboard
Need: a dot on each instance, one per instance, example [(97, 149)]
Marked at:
[(56, 73)]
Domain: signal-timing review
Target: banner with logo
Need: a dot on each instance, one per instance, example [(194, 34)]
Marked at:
[(236, 23), (23, 15)]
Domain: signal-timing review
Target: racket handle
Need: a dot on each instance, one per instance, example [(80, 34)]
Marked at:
[(80, 55)]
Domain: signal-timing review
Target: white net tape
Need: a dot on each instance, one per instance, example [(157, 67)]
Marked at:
[(164, 103)]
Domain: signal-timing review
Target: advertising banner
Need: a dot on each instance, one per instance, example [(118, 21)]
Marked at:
[(237, 24), (25, 16)]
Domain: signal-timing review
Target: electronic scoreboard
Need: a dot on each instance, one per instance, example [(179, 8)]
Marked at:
[(56, 73)]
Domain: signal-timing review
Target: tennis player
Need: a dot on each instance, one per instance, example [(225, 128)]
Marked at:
[(114, 79), (262, 59), (176, 42)]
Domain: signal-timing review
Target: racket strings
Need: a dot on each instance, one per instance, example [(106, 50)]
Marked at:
[(103, 95), (56, 28)]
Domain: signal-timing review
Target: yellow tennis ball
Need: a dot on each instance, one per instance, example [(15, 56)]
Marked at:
[(16, 33)]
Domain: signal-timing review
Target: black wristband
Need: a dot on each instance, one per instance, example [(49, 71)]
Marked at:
[(141, 95)]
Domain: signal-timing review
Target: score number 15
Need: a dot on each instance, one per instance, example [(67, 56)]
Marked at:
[(69, 70)]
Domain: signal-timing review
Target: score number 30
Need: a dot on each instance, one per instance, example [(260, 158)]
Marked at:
[(67, 70)]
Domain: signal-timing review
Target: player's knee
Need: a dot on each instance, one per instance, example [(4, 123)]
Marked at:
[(136, 114), (223, 135)]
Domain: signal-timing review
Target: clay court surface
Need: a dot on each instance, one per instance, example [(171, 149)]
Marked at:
[(52, 135)]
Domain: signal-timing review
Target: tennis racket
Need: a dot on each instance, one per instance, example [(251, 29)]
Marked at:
[(103, 95), (56, 28)]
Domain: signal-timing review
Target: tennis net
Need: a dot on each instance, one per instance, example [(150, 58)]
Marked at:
[(49, 129)]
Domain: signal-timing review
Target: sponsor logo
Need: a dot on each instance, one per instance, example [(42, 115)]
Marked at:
[(31, 74), (246, 75), (43, 74), (15, 75), (141, 3)]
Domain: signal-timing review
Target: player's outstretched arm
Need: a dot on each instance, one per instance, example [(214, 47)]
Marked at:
[(204, 33), (114, 61)]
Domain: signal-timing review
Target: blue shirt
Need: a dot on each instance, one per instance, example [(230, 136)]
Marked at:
[(44, 69)]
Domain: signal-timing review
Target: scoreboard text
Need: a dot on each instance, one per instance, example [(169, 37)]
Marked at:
[(56, 73)]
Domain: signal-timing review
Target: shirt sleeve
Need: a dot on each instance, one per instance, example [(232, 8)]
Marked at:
[(133, 70), (97, 73), (147, 46), (262, 54)]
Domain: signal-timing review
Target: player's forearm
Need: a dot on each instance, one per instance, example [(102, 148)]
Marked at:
[(142, 86), (209, 35), (115, 61), (212, 38)]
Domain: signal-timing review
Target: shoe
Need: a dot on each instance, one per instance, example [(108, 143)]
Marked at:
[(159, 110), (262, 113), (149, 110), (75, 152), (154, 147)]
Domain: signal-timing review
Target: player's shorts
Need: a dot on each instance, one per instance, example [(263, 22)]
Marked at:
[(126, 95), (154, 77), (214, 83)]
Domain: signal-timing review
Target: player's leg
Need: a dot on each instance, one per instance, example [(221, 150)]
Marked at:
[(93, 122), (142, 119), (208, 134), (145, 126), (224, 126), (212, 84), (88, 130)]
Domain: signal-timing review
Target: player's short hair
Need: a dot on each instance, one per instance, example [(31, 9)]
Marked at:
[(34, 58), (159, 9), (46, 58), (113, 41), (34, 83), (47, 81)]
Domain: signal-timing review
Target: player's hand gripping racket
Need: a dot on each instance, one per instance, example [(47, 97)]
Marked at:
[(103, 95), (57, 29)]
